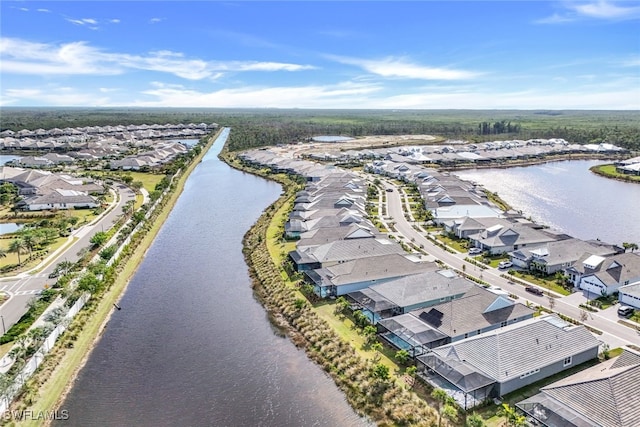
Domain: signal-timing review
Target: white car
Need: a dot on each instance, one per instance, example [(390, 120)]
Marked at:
[(505, 264), (475, 251)]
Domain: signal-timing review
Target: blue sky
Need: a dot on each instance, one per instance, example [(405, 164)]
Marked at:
[(329, 54)]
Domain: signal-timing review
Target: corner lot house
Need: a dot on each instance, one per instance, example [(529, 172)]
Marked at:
[(501, 361), (605, 275)]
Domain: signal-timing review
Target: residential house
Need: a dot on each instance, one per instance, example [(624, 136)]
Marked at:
[(478, 310), (557, 256), (504, 360), (342, 251), (364, 270), (630, 295), (604, 395), (501, 238), (605, 275), (404, 294)]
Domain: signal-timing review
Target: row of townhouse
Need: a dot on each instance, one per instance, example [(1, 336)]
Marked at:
[(462, 209), (475, 343), (161, 153), (92, 130), (490, 152), (43, 190)]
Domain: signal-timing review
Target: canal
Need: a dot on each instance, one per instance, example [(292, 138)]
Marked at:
[(191, 346)]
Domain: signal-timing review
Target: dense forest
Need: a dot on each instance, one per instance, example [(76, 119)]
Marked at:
[(259, 127)]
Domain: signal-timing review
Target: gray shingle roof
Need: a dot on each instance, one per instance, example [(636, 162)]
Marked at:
[(606, 393), (468, 314), (509, 352), (373, 268), (423, 287)]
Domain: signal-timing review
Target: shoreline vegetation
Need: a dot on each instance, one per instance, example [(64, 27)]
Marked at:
[(609, 171), (382, 398), (49, 386)]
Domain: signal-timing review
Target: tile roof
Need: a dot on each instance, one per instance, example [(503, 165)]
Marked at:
[(507, 353), (468, 314), (606, 394)]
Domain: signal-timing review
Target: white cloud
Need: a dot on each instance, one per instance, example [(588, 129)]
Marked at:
[(114, 21), (555, 19), (631, 62), (52, 96), (605, 10), (600, 9), (155, 20), (399, 68), (89, 22), (24, 57), (43, 10), (340, 95)]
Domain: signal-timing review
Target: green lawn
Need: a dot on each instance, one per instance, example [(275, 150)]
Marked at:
[(457, 244), (12, 257), (544, 283), (610, 171)]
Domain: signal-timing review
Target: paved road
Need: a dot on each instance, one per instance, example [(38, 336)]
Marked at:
[(614, 334), (23, 287)]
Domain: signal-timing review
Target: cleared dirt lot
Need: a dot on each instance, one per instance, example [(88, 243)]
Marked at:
[(359, 143)]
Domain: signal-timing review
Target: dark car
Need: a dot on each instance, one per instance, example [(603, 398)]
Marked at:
[(534, 290), (389, 190)]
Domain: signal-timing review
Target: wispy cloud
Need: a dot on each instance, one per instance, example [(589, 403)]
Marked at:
[(605, 10), (25, 57), (312, 96), (114, 21), (155, 20), (600, 9), (90, 23), (556, 18), (400, 68), (54, 96), (43, 10)]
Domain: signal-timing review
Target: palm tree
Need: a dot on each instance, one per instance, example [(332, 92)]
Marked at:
[(3, 253), (629, 245), (450, 413), (443, 399), (17, 246)]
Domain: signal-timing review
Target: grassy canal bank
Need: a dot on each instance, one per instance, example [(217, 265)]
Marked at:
[(47, 388), (373, 389)]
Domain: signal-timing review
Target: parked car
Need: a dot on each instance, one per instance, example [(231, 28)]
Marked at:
[(389, 190), (534, 290), (505, 264), (625, 311), (475, 251)]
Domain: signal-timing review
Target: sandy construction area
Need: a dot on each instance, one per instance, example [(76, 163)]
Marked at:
[(359, 143)]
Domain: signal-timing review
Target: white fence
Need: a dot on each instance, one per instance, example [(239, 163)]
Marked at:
[(32, 364)]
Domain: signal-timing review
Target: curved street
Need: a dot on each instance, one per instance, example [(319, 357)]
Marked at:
[(22, 287), (614, 334)]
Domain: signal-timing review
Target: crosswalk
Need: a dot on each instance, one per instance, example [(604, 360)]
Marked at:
[(27, 292)]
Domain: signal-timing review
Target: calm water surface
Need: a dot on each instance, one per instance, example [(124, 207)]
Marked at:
[(191, 346), (568, 197)]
